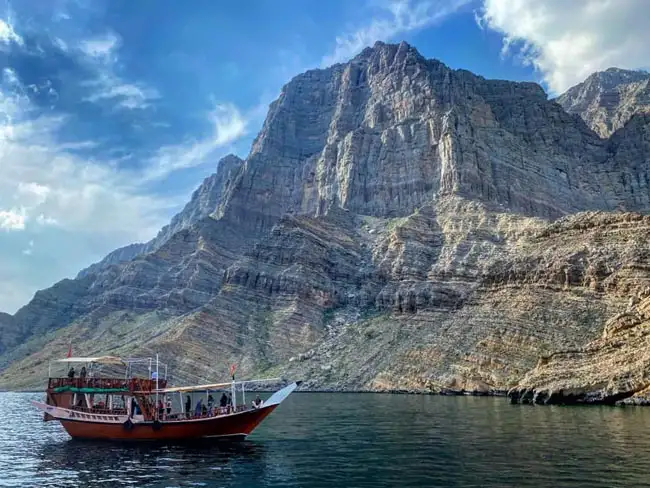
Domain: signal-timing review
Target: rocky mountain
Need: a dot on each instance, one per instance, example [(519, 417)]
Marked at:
[(608, 99), (396, 225), (203, 202)]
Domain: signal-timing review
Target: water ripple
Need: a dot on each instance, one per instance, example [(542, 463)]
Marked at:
[(322, 440)]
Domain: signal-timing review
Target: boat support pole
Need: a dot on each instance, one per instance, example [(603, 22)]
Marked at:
[(157, 409)]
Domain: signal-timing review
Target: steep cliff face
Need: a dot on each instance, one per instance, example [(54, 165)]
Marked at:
[(384, 133), (391, 228), (607, 100), (204, 201)]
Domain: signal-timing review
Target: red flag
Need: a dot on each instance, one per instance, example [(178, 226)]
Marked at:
[(233, 367), (69, 355)]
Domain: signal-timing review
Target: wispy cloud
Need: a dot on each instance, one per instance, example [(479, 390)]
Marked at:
[(82, 208), (29, 249), (102, 53), (228, 125), (395, 18), (102, 47), (126, 95)]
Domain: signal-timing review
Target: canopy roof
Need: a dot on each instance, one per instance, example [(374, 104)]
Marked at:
[(98, 360), (212, 386)]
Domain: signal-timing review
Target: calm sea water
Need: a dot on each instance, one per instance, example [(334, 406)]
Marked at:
[(352, 440)]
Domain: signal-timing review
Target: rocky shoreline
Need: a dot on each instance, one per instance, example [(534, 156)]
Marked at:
[(611, 370)]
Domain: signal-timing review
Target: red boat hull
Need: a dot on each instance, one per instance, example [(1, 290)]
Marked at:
[(228, 426)]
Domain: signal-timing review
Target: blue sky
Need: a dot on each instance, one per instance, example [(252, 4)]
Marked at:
[(113, 111)]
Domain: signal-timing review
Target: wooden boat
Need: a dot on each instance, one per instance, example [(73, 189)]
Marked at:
[(132, 408)]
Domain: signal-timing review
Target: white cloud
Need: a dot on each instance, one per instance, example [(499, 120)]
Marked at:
[(102, 48), (127, 95), (228, 125), (8, 34), (568, 40), (13, 219), (398, 17), (45, 220), (81, 208), (34, 193), (29, 249), (101, 53)]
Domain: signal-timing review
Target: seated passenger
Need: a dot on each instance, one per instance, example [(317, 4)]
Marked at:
[(199, 407), (71, 372), (82, 373), (223, 401), (257, 403)]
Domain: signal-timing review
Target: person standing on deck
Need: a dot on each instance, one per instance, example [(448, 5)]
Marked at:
[(210, 404), (223, 402), (188, 406)]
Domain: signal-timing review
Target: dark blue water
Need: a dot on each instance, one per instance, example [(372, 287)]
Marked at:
[(352, 440)]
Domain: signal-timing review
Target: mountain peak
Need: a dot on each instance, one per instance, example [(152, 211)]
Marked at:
[(612, 77), (608, 99), (392, 49)]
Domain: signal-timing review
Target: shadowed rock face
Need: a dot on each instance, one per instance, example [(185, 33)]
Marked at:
[(396, 225)]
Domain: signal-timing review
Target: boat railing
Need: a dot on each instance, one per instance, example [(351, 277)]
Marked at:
[(100, 410), (216, 412), (131, 384)]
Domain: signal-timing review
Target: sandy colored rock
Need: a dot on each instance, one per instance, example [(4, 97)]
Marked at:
[(397, 225), (612, 369)]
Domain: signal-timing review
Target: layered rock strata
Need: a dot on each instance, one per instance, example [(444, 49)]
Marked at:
[(396, 225)]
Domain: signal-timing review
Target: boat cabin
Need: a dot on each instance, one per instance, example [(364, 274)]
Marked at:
[(94, 386), (109, 388)]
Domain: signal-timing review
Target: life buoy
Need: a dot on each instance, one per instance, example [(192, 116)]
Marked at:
[(128, 425), (156, 425)]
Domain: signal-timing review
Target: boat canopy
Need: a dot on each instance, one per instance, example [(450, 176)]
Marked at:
[(72, 389), (212, 386), (98, 360)]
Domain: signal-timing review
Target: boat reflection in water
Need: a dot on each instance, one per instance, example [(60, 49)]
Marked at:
[(74, 463), (132, 408)]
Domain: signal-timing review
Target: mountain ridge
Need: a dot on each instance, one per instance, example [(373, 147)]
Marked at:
[(381, 197), (608, 99)]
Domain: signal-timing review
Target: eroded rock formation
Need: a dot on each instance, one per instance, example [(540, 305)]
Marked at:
[(615, 368), (396, 225)]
